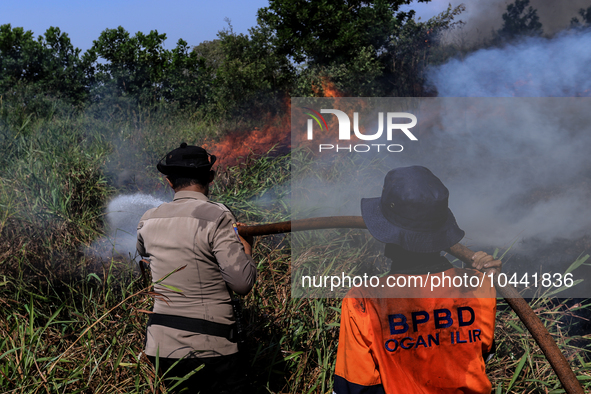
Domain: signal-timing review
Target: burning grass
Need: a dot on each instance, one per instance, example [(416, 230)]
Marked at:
[(73, 324)]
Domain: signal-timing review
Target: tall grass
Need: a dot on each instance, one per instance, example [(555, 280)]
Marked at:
[(73, 324)]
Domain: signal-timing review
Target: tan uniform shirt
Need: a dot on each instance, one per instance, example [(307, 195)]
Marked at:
[(194, 232)]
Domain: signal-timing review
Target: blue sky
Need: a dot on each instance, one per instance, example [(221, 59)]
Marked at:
[(193, 21), (197, 21), (84, 20)]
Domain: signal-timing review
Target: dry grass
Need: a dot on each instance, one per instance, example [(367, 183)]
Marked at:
[(70, 324)]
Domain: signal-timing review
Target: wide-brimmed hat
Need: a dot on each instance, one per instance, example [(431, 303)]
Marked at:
[(412, 212), (186, 161)]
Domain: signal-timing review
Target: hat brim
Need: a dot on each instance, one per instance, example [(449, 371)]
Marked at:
[(177, 170), (429, 241)]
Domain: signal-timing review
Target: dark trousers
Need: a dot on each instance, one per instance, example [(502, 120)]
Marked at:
[(219, 375)]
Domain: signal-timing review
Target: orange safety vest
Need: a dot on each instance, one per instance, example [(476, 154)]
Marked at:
[(408, 344)]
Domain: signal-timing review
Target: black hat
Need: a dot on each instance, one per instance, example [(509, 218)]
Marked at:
[(186, 161), (412, 212)]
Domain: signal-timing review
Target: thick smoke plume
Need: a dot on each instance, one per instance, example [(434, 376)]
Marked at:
[(517, 168), (483, 18), (535, 67), (515, 159), (537, 172)]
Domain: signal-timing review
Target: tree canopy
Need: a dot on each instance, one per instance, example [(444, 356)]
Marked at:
[(520, 21), (49, 64), (364, 48), (328, 31), (585, 21)]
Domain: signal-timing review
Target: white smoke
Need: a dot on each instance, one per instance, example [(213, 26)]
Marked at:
[(535, 160), (535, 67), (518, 169), (483, 18), (123, 215)]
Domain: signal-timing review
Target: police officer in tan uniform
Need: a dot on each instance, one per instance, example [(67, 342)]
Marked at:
[(196, 240)]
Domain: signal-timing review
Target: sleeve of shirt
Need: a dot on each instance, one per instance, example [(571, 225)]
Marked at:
[(356, 371), (237, 268), (141, 249)]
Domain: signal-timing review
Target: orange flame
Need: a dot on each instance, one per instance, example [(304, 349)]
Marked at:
[(327, 88), (236, 146)]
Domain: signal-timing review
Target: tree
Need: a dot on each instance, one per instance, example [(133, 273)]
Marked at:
[(141, 68), (249, 77), (413, 47), (518, 21), (331, 31), (20, 56), (586, 19), (211, 52), (366, 48), (187, 80), (129, 65), (49, 65), (65, 71)]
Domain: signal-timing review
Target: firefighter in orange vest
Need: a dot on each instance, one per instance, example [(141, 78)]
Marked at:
[(420, 330)]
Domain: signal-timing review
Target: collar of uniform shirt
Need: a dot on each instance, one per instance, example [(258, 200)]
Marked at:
[(187, 194)]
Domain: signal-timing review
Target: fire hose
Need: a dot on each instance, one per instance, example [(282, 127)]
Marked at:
[(528, 317)]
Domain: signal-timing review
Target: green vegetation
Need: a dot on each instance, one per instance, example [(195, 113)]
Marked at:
[(520, 22), (365, 48), (70, 323)]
